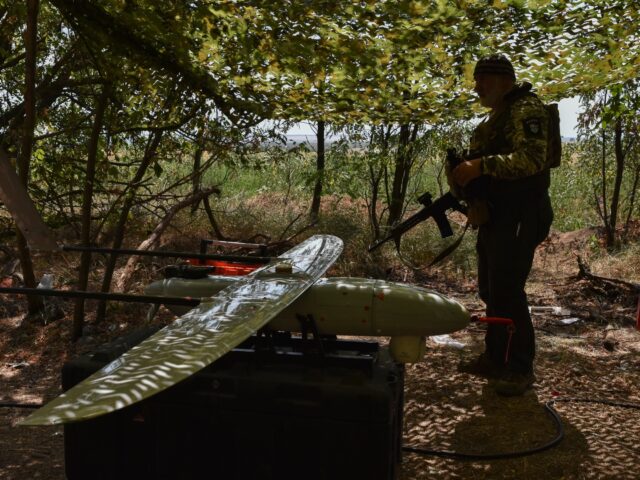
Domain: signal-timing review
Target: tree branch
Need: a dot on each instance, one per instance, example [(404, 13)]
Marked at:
[(125, 277), (89, 16)]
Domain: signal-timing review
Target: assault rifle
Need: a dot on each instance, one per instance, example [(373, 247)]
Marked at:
[(436, 209), (432, 209)]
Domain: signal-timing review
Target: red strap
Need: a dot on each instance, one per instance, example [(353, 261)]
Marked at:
[(509, 323), (508, 351), (494, 320)]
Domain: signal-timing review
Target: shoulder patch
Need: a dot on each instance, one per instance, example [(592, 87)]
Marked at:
[(532, 127)]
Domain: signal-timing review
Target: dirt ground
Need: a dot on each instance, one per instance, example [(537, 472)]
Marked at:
[(589, 350)]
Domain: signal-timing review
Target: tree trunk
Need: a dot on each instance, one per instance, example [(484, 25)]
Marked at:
[(212, 220), (317, 190), (149, 155), (401, 174), (376, 174), (35, 304), (87, 200), (374, 181), (604, 214), (617, 185), (197, 165), (632, 200)]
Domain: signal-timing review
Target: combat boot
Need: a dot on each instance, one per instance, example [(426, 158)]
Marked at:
[(482, 366), (513, 384)]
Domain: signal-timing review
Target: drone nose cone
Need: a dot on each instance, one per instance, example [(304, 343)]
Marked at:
[(401, 309)]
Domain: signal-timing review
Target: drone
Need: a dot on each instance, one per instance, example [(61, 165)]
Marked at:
[(232, 309), (228, 310)]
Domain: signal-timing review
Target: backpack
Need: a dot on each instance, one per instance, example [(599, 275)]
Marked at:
[(554, 139)]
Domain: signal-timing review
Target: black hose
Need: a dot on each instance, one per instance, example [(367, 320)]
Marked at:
[(549, 407), (611, 403), (493, 456)]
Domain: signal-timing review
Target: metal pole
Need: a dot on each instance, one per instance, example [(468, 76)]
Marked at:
[(118, 297), (156, 253)]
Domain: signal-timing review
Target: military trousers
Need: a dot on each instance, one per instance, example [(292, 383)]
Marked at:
[(505, 247)]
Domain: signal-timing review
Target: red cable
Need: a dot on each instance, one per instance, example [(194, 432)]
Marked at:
[(510, 327), (494, 320)]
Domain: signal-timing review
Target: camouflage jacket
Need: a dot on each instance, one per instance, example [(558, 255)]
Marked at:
[(513, 142)]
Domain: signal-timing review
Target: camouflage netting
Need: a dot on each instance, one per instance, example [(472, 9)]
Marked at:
[(365, 61)]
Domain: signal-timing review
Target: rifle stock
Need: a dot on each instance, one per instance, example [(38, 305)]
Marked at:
[(436, 210)]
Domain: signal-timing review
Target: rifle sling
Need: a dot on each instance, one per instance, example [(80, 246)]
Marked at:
[(441, 256), (447, 251)]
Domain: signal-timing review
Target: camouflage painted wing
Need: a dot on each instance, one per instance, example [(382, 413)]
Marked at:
[(196, 339)]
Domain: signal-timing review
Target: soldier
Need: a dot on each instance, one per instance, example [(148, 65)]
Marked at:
[(509, 150)]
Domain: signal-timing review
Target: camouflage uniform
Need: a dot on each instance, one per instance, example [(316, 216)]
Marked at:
[(512, 144)]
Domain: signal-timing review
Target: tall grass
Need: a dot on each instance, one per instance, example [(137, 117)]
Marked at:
[(571, 192), (269, 193)]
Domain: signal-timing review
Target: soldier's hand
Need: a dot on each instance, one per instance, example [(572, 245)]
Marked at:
[(466, 171)]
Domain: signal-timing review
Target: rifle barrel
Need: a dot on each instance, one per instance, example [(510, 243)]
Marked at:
[(403, 227), (436, 208)]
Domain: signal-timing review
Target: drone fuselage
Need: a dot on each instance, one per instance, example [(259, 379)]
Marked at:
[(349, 306)]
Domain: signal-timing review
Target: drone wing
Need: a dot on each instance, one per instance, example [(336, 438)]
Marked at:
[(196, 339)]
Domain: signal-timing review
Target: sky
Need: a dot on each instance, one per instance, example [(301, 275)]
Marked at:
[(568, 120), (569, 116)]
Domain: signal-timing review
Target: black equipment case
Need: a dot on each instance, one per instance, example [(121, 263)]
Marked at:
[(274, 408)]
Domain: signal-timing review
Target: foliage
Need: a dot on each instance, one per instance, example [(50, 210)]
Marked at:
[(359, 61), (202, 70), (609, 128), (571, 190), (198, 77)]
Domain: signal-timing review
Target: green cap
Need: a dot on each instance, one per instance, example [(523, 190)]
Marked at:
[(496, 65)]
